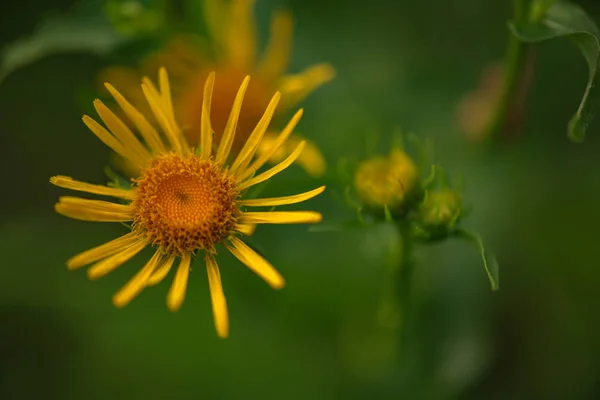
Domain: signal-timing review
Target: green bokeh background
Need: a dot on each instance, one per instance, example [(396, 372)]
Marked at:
[(400, 63)]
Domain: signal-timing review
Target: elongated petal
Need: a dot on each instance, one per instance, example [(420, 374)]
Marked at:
[(168, 125), (137, 283), (245, 172), (217, 297), (161, 271), (281, 217), (121, 131), (279, 201), (69, 183), (178, 288), (256, 263), (275, 170), (101, 268), (93, 210), (277, 55), (165, 91), (246, 229), (206, 132), (295, 88), (240, 45), (102, 251), (311, 159), (146, 130), (255, 137), (231, 126), (109, 140)]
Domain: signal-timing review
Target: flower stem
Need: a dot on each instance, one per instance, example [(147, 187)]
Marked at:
[(405, 278), (512, 69)]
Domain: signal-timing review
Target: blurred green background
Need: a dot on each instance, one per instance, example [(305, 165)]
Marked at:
[(400, 63)]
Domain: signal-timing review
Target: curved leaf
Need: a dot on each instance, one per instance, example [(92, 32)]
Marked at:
[(564, 19), (489, 260)]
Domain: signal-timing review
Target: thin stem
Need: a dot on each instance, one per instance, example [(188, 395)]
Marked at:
[(512, 67)]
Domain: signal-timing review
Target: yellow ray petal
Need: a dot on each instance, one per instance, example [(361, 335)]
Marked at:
[(93, 210), (102, 251), (281, 217), (255, 137), (219, 304), (161, 271), (206, 132), (311, 159), (137, 283), (111, 263), (165, 91), (244, 172), (280, 201), (69, 183), (295, 88), (256, 263), (168, 125), (231, 126), (146, 130), (177, 292), (240, 45), (109, 140), (275, 170), (246, 229), (277, 54), (121, 131)]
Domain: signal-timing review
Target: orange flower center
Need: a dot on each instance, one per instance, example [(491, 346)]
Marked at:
[(227, 83), (185, 203)]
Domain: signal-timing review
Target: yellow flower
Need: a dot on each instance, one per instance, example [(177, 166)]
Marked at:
[(386, 181), (234, 54), (186, 200)]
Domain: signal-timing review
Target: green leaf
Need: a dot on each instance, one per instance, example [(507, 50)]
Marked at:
[(489, 260), (564, 19), (85, 28)]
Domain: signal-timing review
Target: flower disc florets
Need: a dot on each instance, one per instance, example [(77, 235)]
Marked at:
[(185, 203)]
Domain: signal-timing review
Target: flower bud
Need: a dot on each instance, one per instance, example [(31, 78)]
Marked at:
[(386, 181), (440, 211)]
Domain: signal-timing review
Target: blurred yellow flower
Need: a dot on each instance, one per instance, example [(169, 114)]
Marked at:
[(233, 54), (386, 181), (185, 200)]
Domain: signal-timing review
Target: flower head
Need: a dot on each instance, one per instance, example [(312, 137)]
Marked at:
[(386, 181), (185, 201), (440, 210), (233, 54)]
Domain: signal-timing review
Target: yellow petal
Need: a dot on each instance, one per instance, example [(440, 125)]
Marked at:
[(256, 263), (162, 115), (280, 201), (146, 130), (111, 263), (219, 304), (244, 172), (177, 292), (69, 183), (93, 210), (102, 251), (161, 271), (165, 91), (277, 54), (281, 217), (230, 127), (295, 88), (137, 283), (240, 45), (255, 137), (109, 140), (122, 132), (206, 132), (275, 170), (246, 229)]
